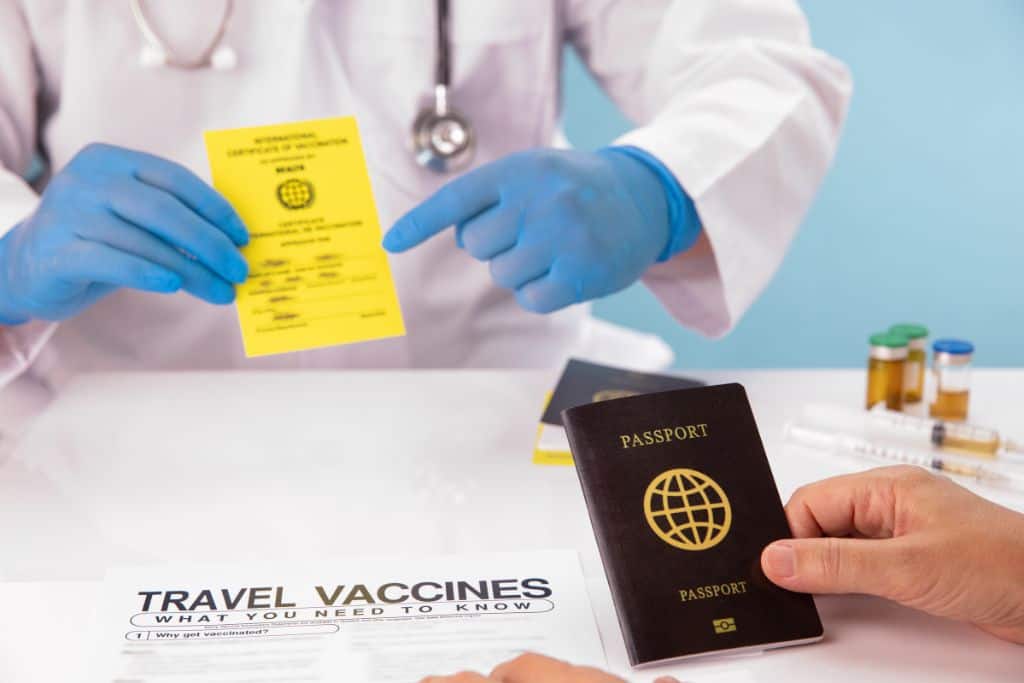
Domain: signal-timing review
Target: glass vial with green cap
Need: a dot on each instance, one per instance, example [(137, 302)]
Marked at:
[(917, 360), (886, 369), (951, 363)]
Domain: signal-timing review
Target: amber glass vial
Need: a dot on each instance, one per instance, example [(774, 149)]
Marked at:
[(917, 360), (951, 365), (886, 370)]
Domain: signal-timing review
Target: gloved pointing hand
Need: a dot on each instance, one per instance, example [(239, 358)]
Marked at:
[(560, 227), (117, 218)]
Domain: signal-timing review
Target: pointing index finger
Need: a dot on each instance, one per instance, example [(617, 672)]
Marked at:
[(458, 201)]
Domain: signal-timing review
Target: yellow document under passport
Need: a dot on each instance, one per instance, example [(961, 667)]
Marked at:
[(318, 275)]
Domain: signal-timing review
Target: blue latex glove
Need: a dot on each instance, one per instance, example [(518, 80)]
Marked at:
[(117, 218), (560, 227)]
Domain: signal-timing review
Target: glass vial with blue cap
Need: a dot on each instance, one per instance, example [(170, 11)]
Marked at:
[(951, 366)]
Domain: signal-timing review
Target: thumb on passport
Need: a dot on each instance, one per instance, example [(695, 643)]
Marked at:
[(832, 565)]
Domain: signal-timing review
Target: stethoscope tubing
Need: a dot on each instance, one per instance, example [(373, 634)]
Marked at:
[(443, 139), (204, 60)]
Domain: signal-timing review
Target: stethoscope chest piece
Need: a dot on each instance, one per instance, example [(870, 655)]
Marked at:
[(443, 140)]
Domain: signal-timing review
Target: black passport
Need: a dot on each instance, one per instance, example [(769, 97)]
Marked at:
[(583, 382), (682, 502)]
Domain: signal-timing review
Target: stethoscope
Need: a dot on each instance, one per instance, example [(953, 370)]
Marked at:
[(443, 140)]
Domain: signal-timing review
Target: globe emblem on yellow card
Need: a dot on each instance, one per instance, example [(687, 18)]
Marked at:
[(687, 509), (295, 193)]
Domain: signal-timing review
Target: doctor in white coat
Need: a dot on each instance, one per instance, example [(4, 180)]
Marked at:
[(122, 257)]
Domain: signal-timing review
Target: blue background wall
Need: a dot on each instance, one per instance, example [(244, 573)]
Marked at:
[(920, 218)]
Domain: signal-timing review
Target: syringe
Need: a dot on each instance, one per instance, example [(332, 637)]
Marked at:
[(972, 440), (844, 444)]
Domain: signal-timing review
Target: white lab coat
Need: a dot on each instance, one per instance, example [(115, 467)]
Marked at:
[(729, 94)]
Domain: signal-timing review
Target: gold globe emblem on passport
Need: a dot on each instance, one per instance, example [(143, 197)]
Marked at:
[(687, 509), (609, 394)]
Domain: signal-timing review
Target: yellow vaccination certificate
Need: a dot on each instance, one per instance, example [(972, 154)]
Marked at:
[(318, 275)]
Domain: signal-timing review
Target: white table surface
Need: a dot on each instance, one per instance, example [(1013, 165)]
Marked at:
[(185, 468)]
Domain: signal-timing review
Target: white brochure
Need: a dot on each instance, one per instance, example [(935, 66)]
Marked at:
[(372, 619)]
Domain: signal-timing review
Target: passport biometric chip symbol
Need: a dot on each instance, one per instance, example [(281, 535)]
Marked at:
[(724, 625), (687, 509)]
